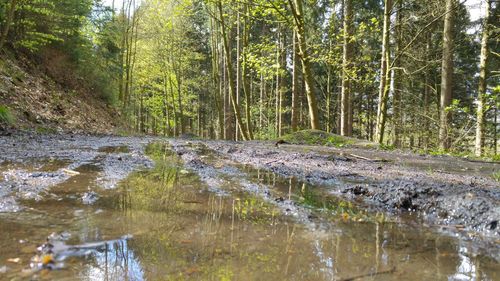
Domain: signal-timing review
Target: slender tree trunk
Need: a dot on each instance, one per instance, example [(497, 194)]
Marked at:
[(244, 75), (345, 103), (8, 22), (238, 64), (295, 84), (446, 76), (176, 124), (495, 125), (384, 74), (231, 81), (179, 102), (278, 84), (427, 94), (261, 101), (216, 80), (482, 83), (398, 112), (298, 14)]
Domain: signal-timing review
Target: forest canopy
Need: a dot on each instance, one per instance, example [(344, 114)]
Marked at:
[(402, 73)]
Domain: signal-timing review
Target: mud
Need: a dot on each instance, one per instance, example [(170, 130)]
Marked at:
[(244, 211), (468, 201), (55, 159)]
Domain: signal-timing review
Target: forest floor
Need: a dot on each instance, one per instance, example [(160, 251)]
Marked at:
[(35, 101)]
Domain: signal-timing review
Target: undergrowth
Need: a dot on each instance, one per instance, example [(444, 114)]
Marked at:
[(6, 116)]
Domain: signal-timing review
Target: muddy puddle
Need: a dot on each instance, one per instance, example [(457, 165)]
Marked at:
[(169, 223)]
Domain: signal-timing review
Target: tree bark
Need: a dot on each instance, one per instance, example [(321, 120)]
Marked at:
[(244, 75), (384, 74), (446, 76), (8, 22), (482, 83), (398, 112), (231, 81), (298, 14), (295, 84), (345, 100)]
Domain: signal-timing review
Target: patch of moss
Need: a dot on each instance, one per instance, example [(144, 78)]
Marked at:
[(45, 130), (317, 137), (6, 116)]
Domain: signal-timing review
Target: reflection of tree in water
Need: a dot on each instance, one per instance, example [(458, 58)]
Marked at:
[(181, 232), (114, 262)]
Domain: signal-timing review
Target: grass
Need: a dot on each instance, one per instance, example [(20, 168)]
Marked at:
[(317, 137), (6, 116), (496, 176), (45, 130)]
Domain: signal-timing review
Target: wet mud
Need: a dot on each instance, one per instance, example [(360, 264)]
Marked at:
[(467, 200)]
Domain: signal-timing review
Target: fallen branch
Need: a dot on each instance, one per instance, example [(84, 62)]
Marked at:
[(368, 159), (392, 270)]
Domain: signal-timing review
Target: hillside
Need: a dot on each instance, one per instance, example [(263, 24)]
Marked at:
[(32, 100)]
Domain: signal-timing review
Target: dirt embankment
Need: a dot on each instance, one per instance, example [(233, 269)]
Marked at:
[(443, 191), (35, 101)]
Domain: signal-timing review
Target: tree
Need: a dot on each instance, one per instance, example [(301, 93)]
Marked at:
[(481, 93), (231, 79), (346, 102), (384, 74), (446, 76), (299, 26), (8, 21)]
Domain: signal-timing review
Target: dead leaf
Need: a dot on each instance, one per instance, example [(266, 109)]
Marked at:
[(192, 270), (14, 260)]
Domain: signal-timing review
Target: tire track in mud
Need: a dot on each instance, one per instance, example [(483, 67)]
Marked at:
[(225, 179), (452, 208)]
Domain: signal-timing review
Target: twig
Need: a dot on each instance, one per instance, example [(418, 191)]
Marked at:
[(368, 159), (392, 270)]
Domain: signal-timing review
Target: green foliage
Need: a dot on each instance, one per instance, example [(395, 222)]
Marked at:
[(6, 116), (316, 137), (496, 176), (387, 147), (495, 158), (45, 130)]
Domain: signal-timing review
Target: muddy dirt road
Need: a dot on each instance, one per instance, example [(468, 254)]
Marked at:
[(124, 208)]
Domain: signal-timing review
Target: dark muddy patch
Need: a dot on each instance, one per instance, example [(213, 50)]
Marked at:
[(467, 205), (114, 149)]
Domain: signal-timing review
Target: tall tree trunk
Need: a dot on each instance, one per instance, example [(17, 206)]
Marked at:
[(172, 94), (8, 22), (446, 76), (278, 83), (427, 94), (261, 100), (179, 102), (244, 75), (216, 80), (482, 83), (345, 100), (238, 64), (398, 113), (231, 81), (295, 84), (384, 74), (299, 23)]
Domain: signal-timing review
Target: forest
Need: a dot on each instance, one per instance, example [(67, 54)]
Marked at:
[(249, 140), (402, 73)]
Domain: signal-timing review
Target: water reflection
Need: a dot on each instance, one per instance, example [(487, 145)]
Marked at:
[(114, 262), (181, 231)]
